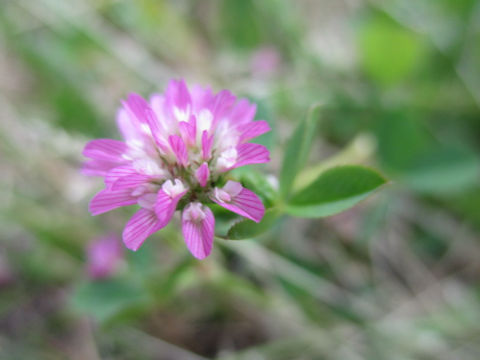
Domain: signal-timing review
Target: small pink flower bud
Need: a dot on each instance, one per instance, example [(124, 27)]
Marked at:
[(104, 257)]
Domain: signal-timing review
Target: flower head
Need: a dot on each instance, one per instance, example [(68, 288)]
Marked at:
[(177, 149)]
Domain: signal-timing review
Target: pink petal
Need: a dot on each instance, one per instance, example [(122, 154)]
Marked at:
[(178, 97), (98, 167), (243, 112), (179, 149), (207, 143), (233, 188), (128, 126), (156, 128), (159, 106), (131, 181), (201, 97), (188, 130), (251, 154), (246, 203), (202, 174), (222, 102), (136, 106), (105, 149), (157, 103), (107, 200), (140, 226), (140, 110), (253, 129), (165, 206), (117, 173), (199, 235)]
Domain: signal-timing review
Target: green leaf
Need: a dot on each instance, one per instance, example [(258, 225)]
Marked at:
[(247, 229), (106, 298), (401, 138), (389, 53), (297, 150), (335, 190), (357, 152), (443, 169), (423, 163)]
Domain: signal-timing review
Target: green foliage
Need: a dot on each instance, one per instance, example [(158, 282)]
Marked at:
[(245, 33), (50, 59), (443, 169), (334, 191), (389, 52), (297, 150), (408, 82), (104, 299), (411, 155)]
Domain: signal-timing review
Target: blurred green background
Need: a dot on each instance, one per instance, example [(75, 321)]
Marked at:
[(393, 278)]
